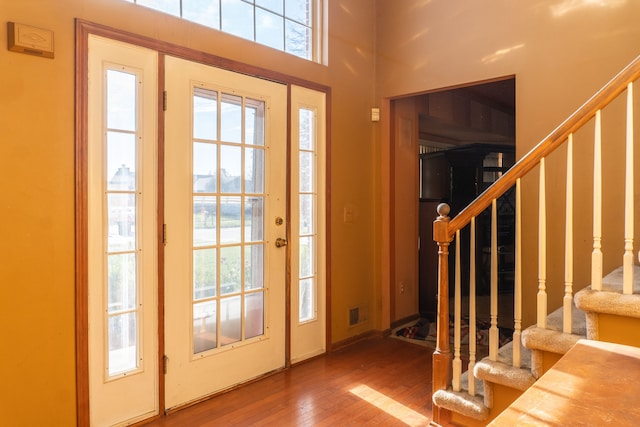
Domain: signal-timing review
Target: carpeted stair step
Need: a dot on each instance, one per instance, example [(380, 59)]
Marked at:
[(487, 373), (462, 402), (611, 300), (502, 371), (552, 339)]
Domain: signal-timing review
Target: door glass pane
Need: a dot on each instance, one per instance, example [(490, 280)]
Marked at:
[(121, 100), (123, 339), (307, 299), (230, 270), (205, 114), (307, 129), (306, 256), (230, 220), (121, 290), (230, 320), (306, 171), (204, 273), (231, 118), (253, 267), (254, 315), (254, 170), (254, 122), (204, 220), (253, 219), (307, 205), (122, 222), (121, 270), (204, 327), (205, 166), (121, 161), (230, 169)]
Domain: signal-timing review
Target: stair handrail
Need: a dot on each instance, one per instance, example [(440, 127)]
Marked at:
[(551, 142), (444, 228)]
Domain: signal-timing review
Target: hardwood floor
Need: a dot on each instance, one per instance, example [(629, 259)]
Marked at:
[(379, 381)]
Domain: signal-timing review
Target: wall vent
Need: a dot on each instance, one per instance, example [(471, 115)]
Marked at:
[(354, 316)]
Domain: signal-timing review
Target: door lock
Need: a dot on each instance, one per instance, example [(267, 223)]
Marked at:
[(281, 242)]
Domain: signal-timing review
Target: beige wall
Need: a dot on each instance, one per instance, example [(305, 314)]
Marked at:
[(405, 193), (561, 52), (37, 363), (558, 60)]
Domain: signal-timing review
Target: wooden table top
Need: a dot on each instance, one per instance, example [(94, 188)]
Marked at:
[(594, 384)]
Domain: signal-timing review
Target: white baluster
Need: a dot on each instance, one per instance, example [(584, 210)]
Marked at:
[(568, 243), (472, 308), (457, 362), (542, 250), (517, 291), (627, 278), (596, 254), (494, 336)]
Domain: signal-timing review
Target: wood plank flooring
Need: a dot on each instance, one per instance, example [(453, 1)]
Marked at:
[(379, 381)]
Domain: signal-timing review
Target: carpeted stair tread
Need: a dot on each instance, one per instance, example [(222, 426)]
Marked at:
[(551, 338), (502, 372), (505, 355), (462, 403), (612, 282), (464, 383), (611, 300)]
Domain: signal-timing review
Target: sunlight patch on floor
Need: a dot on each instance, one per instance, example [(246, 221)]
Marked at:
[(390, 406)]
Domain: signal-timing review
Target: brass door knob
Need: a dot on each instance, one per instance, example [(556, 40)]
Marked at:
[(281, 242)]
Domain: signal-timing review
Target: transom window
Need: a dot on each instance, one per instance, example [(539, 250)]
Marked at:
[(286, 25)]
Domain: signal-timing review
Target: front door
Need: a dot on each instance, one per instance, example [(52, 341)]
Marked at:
[(225, 208)]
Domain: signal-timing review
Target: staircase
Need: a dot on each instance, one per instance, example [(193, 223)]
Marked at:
[(600, 256)]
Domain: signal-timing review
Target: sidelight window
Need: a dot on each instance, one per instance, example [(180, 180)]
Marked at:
[(307, 207), (122, 221)]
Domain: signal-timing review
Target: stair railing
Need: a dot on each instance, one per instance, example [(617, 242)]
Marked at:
[(447, 369)]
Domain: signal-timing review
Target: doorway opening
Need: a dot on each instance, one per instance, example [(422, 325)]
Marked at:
[(448, 146), (466, 142)]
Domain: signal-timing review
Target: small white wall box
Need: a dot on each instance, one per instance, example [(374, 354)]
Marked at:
[(30, 40)]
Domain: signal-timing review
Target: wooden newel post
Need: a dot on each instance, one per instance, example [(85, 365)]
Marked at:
[(442, 355)]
